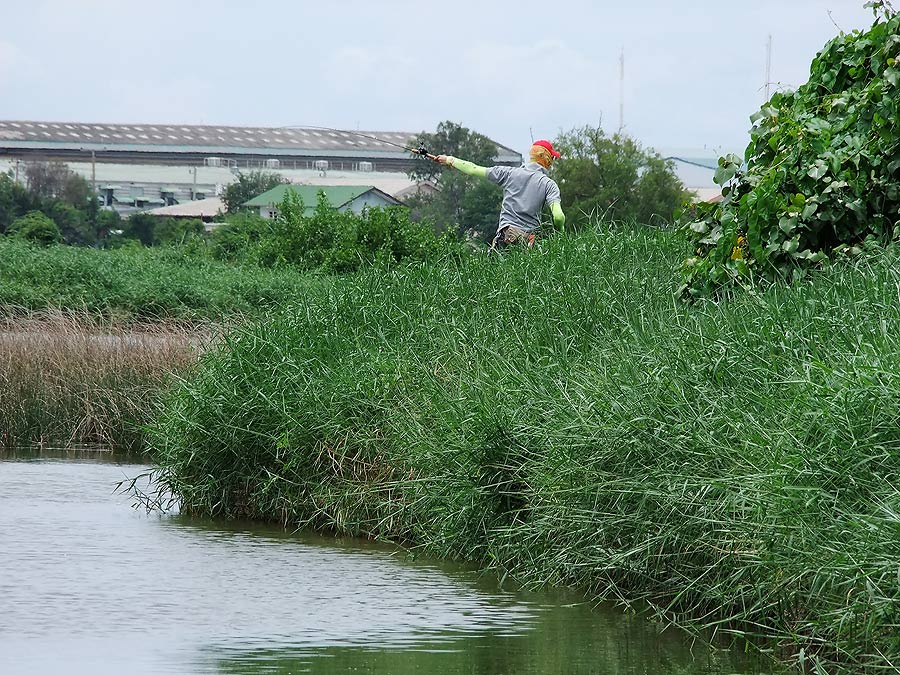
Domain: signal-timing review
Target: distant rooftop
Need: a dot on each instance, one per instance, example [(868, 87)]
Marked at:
[(200, 208), (337, 195), (227, 140)]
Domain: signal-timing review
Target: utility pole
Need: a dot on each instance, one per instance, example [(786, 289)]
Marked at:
[(622, 90), (769, 68), (94, 171)]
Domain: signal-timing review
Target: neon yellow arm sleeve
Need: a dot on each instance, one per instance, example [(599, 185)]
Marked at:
[(559, 218), (467, 168)]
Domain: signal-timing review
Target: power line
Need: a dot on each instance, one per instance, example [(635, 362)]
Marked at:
[(692, 163)]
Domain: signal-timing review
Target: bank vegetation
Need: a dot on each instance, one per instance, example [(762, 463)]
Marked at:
[(558, 415)]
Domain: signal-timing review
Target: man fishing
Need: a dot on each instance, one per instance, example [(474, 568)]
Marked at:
[(526, 189)]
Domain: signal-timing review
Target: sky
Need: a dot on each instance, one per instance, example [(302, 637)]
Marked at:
[(511, 69)]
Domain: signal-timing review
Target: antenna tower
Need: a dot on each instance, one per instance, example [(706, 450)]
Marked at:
[(622, 90)]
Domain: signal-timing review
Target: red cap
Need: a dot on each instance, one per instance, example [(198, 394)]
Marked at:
[(548, 145)]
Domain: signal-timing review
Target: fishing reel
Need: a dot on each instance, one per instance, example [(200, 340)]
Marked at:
[(422, 151)]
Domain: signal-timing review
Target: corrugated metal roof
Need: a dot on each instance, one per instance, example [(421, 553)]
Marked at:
[(337, 195), (259, 140), (201, 208)]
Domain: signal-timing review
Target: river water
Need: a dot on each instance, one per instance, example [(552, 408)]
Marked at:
[(89, 585)]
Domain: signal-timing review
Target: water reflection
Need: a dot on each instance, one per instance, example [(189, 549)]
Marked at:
[(94, 586), (572, 642)]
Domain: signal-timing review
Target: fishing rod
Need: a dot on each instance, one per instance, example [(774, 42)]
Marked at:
[(421, 151)]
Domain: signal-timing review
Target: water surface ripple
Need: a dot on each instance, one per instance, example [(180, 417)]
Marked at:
[(90, 585)]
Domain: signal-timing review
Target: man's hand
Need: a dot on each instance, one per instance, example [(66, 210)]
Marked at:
[(447, 160)]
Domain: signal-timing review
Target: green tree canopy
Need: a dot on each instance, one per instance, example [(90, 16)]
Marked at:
[(177, 230), (55, 180), (58, 192), (74, 223), (106, 221), (615, 178), (461, 204), (153, 230), (37, 228), (15, 201), (139, 226), (250, 185), (238, 238)]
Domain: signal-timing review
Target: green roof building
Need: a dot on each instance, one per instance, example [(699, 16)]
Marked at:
[(342, 197)]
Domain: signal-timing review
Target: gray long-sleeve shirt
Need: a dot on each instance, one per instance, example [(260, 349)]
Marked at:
[(525, 191)]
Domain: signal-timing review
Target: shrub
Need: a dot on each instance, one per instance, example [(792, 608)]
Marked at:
[(238, 238), (335, 241), (36, 228), (15, 201), (820, 177), (73, 223)]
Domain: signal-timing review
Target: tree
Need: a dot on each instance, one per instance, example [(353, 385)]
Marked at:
[(106, 221), (462, 203), (176, 230), (613, 177), (15, 201), (77, 192), (153, 230), (55, 180), (237, 239), (250, 185), (74, 224), (139, 226), (36, 227)]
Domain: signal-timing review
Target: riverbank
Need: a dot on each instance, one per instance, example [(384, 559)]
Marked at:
[(70, 379), (558, 415)]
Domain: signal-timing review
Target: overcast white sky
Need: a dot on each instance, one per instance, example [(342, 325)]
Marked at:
[(694, 69)]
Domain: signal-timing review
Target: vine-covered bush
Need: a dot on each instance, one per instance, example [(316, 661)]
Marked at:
[(821, 175)]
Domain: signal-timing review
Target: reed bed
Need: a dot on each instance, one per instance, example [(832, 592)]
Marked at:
[(70, 380), (558, 416)]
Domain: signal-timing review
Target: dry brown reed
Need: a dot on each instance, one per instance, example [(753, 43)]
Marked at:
[(74, 379)]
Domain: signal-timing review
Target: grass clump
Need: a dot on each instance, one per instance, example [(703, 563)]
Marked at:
[(69, 380), (324, 240), (138, 284), (559, 415)]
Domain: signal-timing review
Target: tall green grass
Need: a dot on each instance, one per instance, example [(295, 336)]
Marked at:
[(137, 284), (556, 414)]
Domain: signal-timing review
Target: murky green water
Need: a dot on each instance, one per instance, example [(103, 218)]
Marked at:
[(88, 585)]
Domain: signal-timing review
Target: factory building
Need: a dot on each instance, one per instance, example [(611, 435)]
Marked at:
[(136, 167)]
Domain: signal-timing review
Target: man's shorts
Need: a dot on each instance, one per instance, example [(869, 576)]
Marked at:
[(509, 235)]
